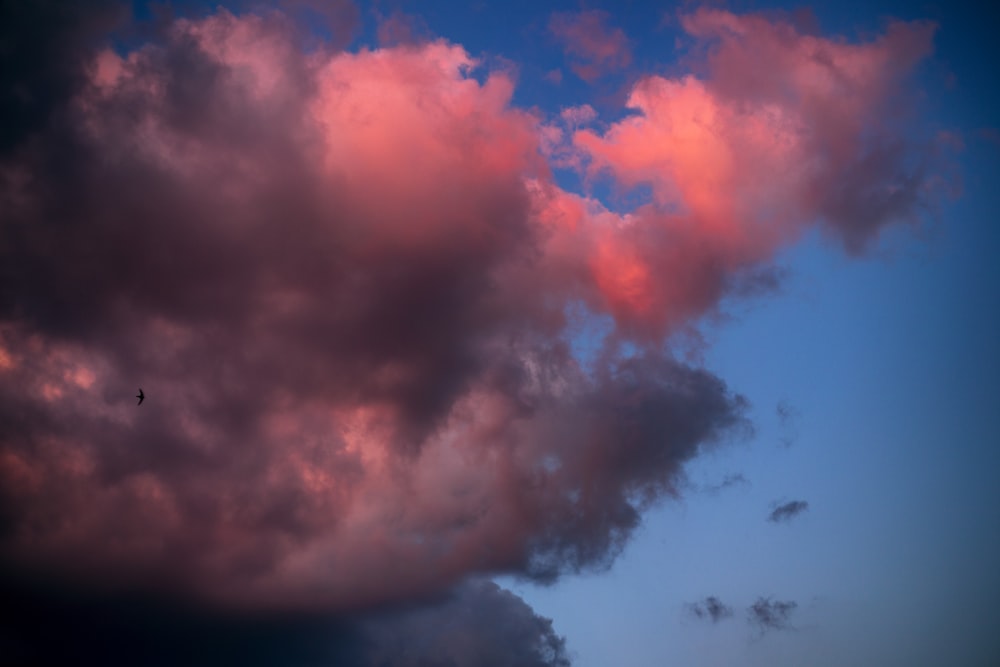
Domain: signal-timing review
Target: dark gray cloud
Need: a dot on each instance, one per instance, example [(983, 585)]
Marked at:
[(44, 622), (45, 47), (766, 614), (787, 511), (711, 608)]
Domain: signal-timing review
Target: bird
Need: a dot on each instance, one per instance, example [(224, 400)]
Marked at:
[(140, 396)]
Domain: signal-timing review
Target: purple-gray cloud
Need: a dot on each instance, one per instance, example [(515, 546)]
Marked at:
[(787, 511), (766, 614), (711, 608), (43, 622)]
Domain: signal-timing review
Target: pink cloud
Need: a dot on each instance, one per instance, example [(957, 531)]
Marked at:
[(785, 130), (344, 302), (595, 48), (343, 279)]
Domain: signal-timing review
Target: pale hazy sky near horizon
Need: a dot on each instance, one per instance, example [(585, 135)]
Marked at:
[(677, 321)]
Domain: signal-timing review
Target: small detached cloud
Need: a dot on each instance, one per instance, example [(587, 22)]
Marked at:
[(786, 412), (767, 614), (711, 608), (787, 511), (595, 48)]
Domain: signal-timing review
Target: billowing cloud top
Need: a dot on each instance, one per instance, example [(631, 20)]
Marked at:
[(344, 279)]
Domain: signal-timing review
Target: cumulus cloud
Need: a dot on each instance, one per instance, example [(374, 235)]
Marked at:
[(711, 608), (782, 129), (594, 47), (787, 511), (344, 281), (766, 614), (349, 363)]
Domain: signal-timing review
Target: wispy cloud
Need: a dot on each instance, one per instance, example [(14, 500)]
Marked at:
[(595, 48), (766, 614), (787, 511), (730, 480), (711, 608)]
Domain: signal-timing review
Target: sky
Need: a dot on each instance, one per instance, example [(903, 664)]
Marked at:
[(498, 334)]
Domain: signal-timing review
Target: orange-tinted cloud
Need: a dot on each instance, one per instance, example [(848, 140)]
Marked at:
[(595, 49)]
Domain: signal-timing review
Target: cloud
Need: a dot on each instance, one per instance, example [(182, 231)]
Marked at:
[(782, 129), (349, 363), (710, 608), (399, 28), (345, 282), (767, 614), (480, 624), (787, 511), (595, 48), (477, 623), (728, 481), (579, 115), (46, 48)]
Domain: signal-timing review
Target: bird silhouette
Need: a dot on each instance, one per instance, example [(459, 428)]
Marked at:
[(140, 396)]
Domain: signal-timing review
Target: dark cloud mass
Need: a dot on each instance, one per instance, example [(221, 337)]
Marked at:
[(787, 511), (711, 608), (476, 624), (44, 49), (766, 614)]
